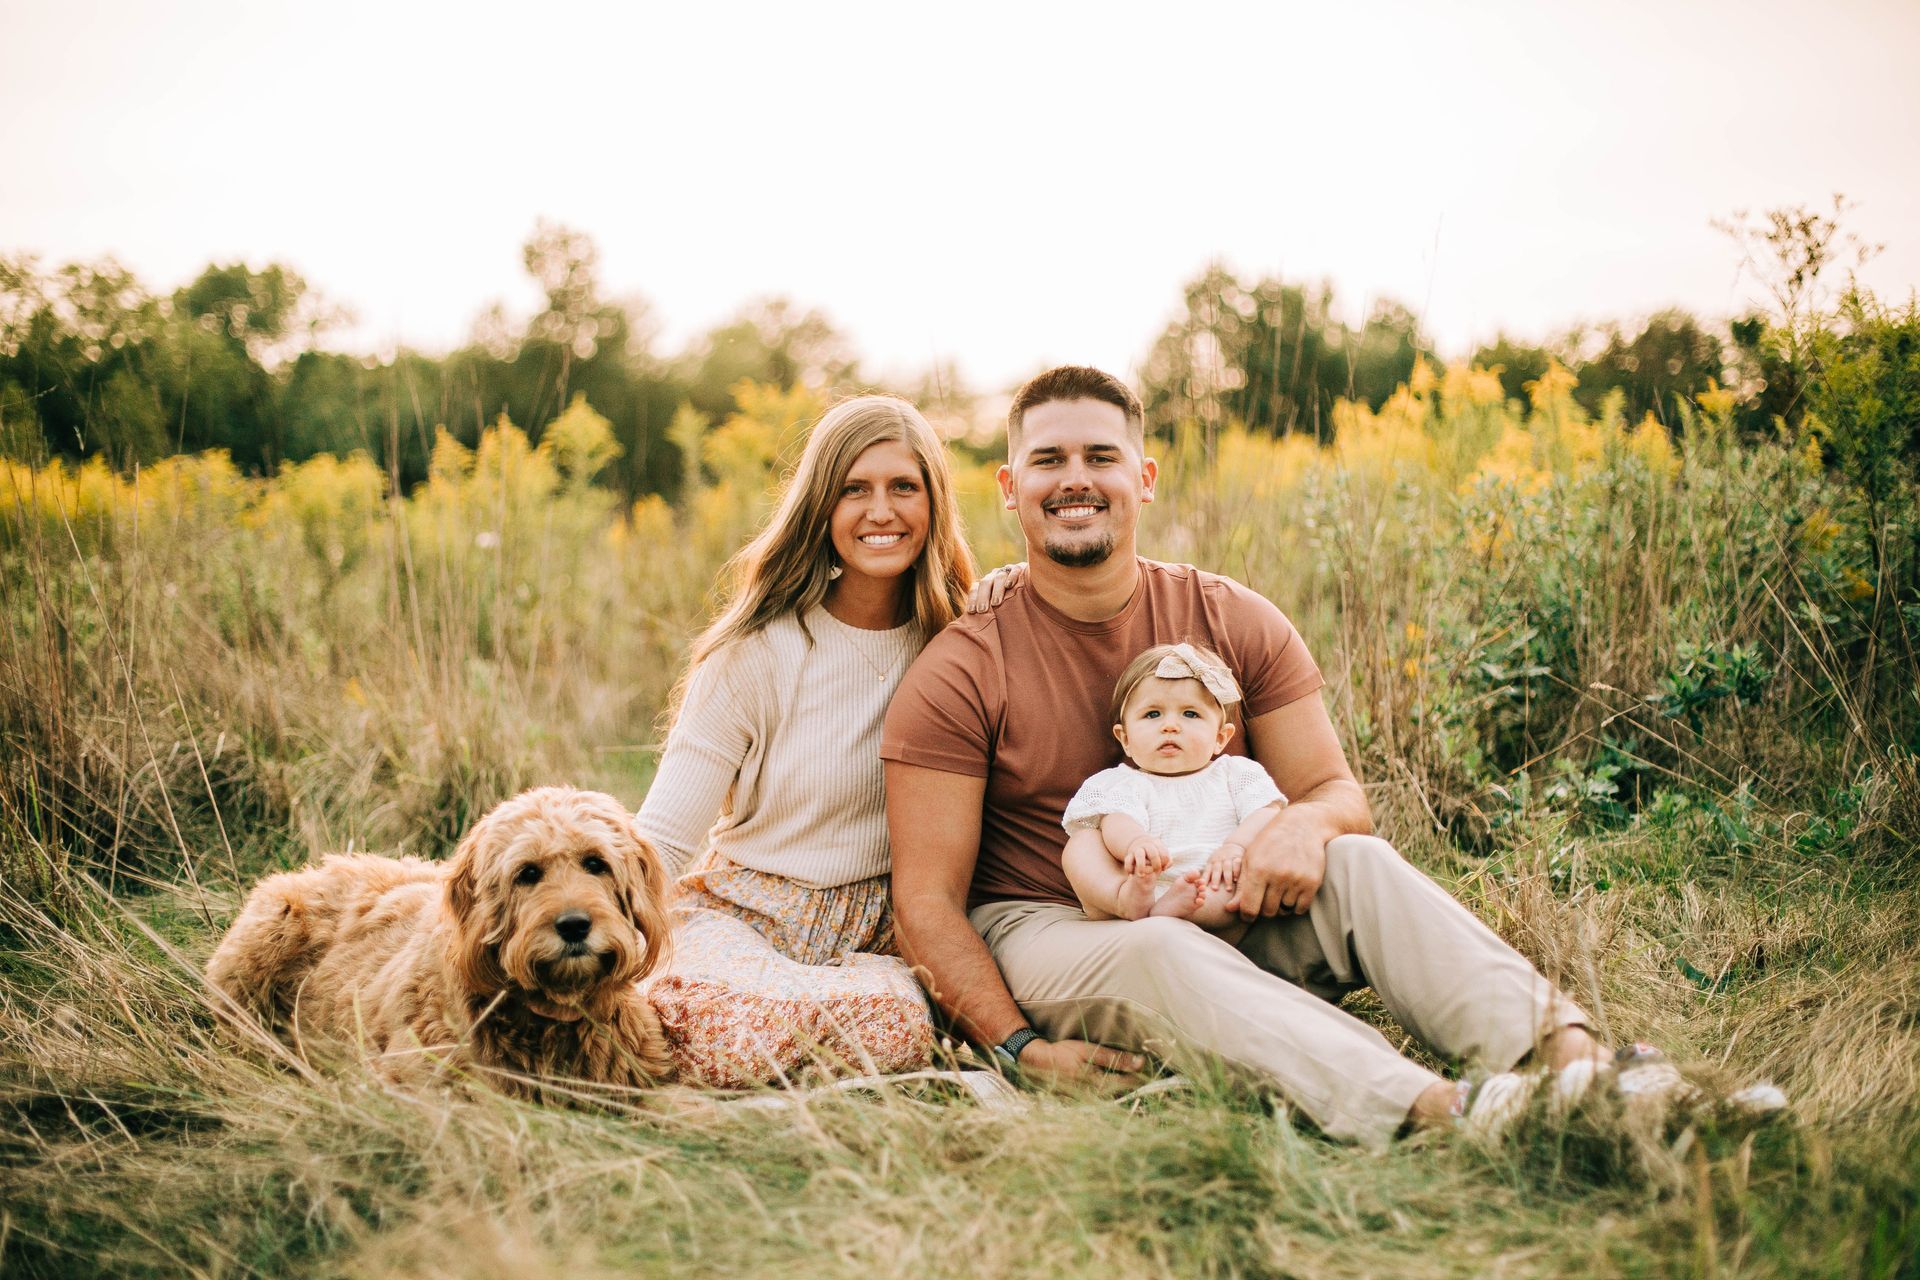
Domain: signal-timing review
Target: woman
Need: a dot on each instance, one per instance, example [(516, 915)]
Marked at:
[(784, 953)]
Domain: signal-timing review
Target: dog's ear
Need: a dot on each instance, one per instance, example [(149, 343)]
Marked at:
[(646, 898), (475, 952)]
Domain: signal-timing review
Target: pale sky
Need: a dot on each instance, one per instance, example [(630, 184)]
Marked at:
[(1006, 186)]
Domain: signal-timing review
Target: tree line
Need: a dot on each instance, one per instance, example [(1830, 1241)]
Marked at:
[(92, 364)]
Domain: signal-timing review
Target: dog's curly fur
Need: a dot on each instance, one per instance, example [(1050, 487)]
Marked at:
[(520, 954)]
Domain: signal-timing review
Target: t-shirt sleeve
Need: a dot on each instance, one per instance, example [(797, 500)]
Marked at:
[(1268, 656), (1108, 791), (942, 714), (1250, 786), (710, 738)]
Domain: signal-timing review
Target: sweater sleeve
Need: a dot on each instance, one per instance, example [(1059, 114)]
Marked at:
[(710, 738), (1250, 786), (1109, 791)]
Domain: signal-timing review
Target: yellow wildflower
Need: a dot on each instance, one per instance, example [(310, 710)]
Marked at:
[(1811, 455), (1818, 530), (1715, 401), (1654, 447), (1555, 385)]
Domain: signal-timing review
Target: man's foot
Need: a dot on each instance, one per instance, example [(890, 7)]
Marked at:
[(1491, 1107), (1134, 898), (1644, 1077), (1651, 1088), (1574, 1081), (1756, 1102), (1484, 1110), (1576, 1060)]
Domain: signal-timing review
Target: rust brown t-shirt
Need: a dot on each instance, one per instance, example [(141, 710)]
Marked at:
[(1019, 697)]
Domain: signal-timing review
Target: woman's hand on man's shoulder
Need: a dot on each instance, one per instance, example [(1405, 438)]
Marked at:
[(993, 588)]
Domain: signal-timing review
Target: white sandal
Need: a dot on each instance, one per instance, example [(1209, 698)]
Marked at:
[(1488, 1109)]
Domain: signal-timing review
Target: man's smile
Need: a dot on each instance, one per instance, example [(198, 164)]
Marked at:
[(1076, 511)]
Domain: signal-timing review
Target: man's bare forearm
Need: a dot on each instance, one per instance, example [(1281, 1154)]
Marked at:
[(957, 969), (1337, 807)]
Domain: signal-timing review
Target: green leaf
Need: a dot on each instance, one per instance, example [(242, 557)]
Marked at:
[(1707, 983)]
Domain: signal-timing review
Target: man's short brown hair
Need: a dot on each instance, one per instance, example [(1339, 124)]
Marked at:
[(1076, 382)]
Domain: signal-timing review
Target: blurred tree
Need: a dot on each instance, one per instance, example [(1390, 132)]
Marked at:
[(959, 414), (334, 403), (1865, 408), (254, 309), (578, 343), (1786, 250), (1272, 356), (1670, 358), (768, 342), (108, 369), (1516, 364), (1383, 357), (325, 409)]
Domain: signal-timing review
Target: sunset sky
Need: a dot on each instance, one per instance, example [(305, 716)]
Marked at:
[(1006, 186)]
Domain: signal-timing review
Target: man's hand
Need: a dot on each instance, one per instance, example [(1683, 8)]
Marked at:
[(1146, 853), (1282, 871), (1067, 1064)]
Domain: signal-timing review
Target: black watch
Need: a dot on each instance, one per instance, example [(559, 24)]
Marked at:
[(1007, 1052)]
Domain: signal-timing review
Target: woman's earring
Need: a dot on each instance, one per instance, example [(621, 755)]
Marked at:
[(833, 572)]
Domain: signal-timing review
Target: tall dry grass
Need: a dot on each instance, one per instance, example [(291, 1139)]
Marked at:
[(1604, 683)]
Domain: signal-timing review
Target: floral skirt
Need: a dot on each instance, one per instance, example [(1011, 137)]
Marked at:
[(772, 982)]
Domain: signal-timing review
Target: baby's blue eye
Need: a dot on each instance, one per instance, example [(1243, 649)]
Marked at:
[(1191, 714), (1152, 715)]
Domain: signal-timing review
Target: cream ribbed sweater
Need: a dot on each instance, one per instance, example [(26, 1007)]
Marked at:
[(792, 729)]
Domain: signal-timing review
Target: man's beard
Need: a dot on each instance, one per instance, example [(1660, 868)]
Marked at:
[(1079, 555)]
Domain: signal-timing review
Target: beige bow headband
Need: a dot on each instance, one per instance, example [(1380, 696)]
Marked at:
[(1185, 663)]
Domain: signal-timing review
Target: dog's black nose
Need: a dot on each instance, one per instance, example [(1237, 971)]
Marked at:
[(574, 926)]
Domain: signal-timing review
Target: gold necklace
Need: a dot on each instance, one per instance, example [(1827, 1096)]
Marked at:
[(879, 672)]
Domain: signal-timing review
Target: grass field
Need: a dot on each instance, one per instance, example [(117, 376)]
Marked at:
[(1646, 704)]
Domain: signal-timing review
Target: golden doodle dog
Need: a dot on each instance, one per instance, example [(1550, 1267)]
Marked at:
[(518, 956)]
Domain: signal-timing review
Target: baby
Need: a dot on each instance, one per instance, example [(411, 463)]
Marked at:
[(1174, 822)]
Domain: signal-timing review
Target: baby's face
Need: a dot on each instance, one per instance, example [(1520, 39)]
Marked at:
[(1172, 726)]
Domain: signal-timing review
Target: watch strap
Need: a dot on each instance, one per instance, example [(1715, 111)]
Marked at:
[(1008, 1050)]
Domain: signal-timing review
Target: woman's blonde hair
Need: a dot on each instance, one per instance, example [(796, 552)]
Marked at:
[(787, 567), (1143, 666)]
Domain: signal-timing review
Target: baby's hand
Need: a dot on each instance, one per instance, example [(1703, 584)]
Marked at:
[(1146, 854), (1223, 867)]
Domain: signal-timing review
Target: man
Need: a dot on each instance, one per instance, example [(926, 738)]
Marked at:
[(1003, 716)]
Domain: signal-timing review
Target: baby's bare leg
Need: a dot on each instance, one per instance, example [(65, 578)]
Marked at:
[(1106, 892), (1191, 899)]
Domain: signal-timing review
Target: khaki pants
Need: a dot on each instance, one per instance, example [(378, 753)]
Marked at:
[(1173, 989)]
